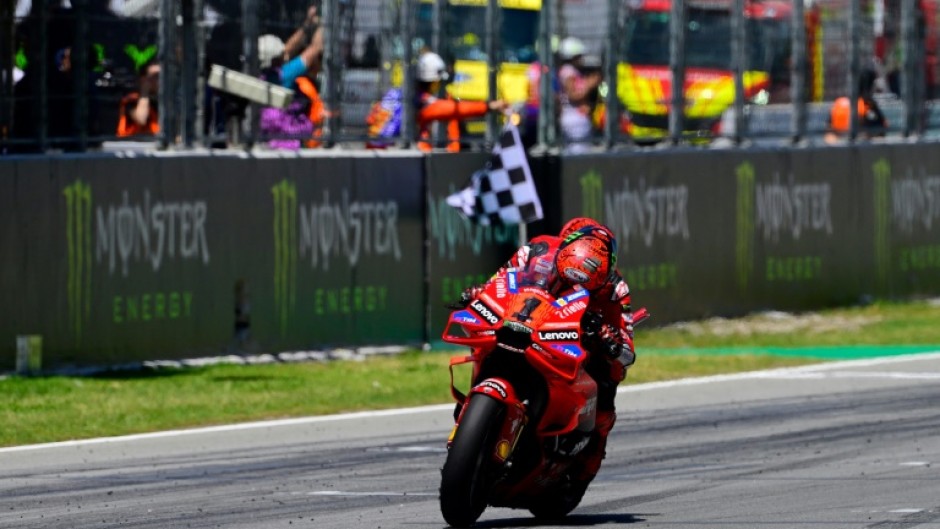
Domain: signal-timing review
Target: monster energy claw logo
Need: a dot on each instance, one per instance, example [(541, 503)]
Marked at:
[(78, 205), (882, 172), (285, 252), (744, 251), (592, 195)]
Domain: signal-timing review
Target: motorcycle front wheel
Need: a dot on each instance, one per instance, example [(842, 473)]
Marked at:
[(465, 478)]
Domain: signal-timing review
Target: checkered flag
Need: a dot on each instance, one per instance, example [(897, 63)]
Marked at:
[(503, 192)]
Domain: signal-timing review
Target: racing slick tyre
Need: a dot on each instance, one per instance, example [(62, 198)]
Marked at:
[(468, 467)]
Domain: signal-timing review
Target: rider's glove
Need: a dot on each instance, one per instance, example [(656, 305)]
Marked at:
[(468, 295), (612, 340)]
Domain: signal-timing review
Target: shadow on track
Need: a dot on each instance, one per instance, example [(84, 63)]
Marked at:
[(572, 520)]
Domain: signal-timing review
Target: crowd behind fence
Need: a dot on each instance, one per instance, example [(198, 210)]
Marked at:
[(73, 75)]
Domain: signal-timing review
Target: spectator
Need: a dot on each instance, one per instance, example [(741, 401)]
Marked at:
[(871, 120), (138, 110), (385, 117), (431, 73), (303, 50), (530, 113), (578, 86), (294, 65)]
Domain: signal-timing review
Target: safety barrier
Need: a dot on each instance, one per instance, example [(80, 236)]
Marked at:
[(114, 259)]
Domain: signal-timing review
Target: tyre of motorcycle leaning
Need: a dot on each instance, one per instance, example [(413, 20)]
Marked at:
[(468, 467)]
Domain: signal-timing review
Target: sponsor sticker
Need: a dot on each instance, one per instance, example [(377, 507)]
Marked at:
[(511, 280), (578, 294), (501, 288), (464, 316), (495, 386), (571, 309), (571, 350), (516, 326), (559, 336), (485, 312), (578, 276)]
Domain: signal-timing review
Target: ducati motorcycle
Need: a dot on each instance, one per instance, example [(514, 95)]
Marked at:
[(531, 407)]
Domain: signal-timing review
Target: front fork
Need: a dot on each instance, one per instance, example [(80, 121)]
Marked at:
[(501, 390)]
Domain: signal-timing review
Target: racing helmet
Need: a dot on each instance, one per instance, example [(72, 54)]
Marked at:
[(587, 257), (576, 224), (431, 67)]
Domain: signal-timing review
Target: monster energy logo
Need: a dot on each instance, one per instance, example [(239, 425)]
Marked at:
[(882, 172), (592, 195), (140, 56), (285, 252), (78, 238), (744, 250)]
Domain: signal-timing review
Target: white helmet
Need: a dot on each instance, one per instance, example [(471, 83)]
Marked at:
[(270, 47), (570, 47), (431, 67)]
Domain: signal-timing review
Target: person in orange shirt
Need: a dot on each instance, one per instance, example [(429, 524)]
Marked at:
[(138, 111), (871, 121), (430, 108)]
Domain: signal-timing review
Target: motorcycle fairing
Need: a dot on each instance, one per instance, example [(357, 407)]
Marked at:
[(515, 419)]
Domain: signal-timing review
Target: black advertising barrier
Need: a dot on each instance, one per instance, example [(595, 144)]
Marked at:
[(902, 192), (113, 260), (460, 253), (798, 235), (21, 214), (728, 232), (343, 253), (120, 260), (669, 213)]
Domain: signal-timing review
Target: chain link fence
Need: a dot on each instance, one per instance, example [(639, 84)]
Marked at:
[(577, 75)]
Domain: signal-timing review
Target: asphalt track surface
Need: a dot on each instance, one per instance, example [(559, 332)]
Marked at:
[(844, 445)]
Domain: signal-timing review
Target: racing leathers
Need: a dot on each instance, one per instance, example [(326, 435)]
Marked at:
[(608, 337)]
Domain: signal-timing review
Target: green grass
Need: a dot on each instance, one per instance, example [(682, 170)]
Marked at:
[(878, 324), (57, 408)]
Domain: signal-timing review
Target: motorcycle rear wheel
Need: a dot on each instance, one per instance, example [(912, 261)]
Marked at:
[(465, 476)]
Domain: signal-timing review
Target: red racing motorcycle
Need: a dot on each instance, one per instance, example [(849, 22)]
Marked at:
[(531, 407)]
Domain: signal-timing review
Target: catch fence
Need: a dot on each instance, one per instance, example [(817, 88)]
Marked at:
[(744, 71)]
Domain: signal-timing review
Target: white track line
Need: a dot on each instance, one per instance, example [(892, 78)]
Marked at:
[(783, 372), (769, 373)]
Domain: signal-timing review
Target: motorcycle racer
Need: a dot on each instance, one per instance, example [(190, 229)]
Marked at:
[(585, 253)]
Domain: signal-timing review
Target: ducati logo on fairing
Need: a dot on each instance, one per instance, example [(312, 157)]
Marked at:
[(559, 336), (485, 312)]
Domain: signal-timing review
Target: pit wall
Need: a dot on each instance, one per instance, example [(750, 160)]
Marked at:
[(115, 260)]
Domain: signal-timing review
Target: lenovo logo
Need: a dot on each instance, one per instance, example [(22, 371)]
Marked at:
[(559, 336), (485, 312)]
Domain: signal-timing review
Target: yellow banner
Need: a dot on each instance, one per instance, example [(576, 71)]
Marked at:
[(531, 5), (471, 81)]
